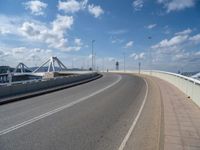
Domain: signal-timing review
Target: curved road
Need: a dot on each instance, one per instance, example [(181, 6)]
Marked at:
[(97, 115)]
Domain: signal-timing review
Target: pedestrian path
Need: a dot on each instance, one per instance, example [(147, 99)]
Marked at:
[(181, 119)]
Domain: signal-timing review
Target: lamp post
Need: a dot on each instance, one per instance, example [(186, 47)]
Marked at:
[(139, 65), (93, 54), (150, 62), (124, 61)]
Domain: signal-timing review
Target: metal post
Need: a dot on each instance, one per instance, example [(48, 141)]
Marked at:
[(150, 64), (124, 61), (94, 60), (139, 66), (103, 64), (9, 77), (93, 55)]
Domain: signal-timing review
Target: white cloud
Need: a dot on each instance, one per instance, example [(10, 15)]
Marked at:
[(72, 6), (195, 39), (176, 40), (30, 29), (185, 58), (72, 48), (62, 23), (53, 35), (139, 56), (95, 10), (137, 4), (111, 59), (3, 54), (178, 51), (19, 50), (176, 5), (77, 45), (78, 42), (115, 40), (184, 32), (151, 26), (129, 44), (36, 7), (118, 32), (181, 55), (4, 30), (133, 55), (30, 56), (8, 25)]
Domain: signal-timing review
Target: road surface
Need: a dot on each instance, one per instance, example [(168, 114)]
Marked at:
[(105, 114)]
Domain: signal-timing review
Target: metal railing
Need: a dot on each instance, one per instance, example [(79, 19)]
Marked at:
[(189, 86)]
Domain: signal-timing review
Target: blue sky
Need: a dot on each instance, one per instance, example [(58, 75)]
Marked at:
[(32, 31)]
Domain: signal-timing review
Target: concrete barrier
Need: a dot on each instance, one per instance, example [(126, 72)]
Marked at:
[(189, 86), (7, 92)]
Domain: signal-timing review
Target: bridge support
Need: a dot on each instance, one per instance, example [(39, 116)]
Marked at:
[(22, 68), (52, 65)]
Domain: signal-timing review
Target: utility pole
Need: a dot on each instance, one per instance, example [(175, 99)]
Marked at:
[(139, 65), (150, 62), (124, 61), (103, 64), (93, 55), (95, 61)]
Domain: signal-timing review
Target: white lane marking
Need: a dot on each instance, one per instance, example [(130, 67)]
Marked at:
[(57, 109), (125, 140)]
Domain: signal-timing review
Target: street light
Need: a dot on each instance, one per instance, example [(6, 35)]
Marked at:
[(92, 55), (124, 61), (150, 62), (139, 67)]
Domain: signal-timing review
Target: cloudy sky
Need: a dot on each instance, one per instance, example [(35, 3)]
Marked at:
[(162, 34)]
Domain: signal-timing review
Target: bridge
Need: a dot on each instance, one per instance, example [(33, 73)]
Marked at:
[(113, 111), (50, 68)]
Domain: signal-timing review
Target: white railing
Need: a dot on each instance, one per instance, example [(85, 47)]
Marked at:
[(189, 86)]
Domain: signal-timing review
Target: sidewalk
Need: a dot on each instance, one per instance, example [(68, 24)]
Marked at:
[(181, 119)]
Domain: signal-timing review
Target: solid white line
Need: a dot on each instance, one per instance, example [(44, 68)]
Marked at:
[(56, 110), (125, 140)]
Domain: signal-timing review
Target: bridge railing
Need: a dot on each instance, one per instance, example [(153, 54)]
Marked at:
[(189, 86), (37, 86), (34, 80)]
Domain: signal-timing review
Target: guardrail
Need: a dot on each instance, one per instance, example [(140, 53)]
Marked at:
[(42, 86), (189, 86)]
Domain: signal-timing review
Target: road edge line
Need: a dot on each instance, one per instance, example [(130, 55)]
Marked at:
[(126, 138)]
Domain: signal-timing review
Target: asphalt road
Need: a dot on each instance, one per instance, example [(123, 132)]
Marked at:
[(92, 116)]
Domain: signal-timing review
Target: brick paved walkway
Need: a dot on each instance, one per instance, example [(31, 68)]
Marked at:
[(181, 119)]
